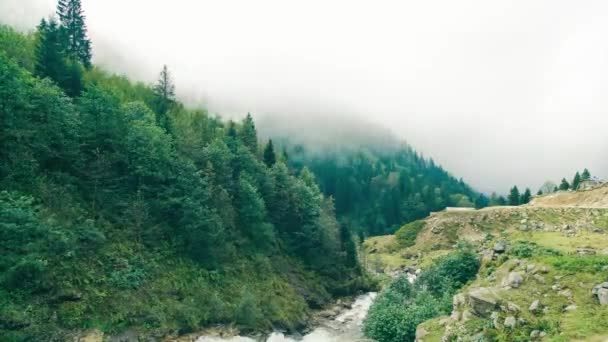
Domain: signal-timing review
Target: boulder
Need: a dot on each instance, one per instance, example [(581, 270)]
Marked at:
[(540, 279), (571, 307), (500, 247), (601, 292), (420, 333), (512, 307), (510, 322), (483, 301), (585, 251), (535, 306), (514, 280)]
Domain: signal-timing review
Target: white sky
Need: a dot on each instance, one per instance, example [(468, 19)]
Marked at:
[(499, 92)]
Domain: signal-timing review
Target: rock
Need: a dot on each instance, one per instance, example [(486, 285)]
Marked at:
[(534, 334), (544, 269), (535, 306), (500, 247), (458, 300), (601, 292), (585, 251), (483, 301), (455, 316), (571, 307), (542, 334), (466, 315), (605, 268), (512, 307), (556, 287), (524, 221), (531, 268), (510, 322), (514, 280), (373, 250), (566, 293), (540, 279)]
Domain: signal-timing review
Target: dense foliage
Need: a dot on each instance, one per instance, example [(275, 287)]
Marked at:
[(120, 208), (399, 309), (377, 190)]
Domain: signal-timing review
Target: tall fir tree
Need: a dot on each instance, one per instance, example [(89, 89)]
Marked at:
[(270, 157), (249, 135), (585, 175), (564, 185), (514, 196), (74, 31), (526, 196), (51, 60), (576, 181), (165, 93)]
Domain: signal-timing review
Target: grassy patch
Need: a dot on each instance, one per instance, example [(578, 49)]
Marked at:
[(406, 235)]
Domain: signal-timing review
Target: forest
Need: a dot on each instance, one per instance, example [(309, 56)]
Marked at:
[(120, 207)]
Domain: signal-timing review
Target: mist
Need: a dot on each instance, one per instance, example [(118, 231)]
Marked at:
[(499, 93)]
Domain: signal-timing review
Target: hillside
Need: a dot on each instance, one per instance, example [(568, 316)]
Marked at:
[(541, 265), (124, 212)]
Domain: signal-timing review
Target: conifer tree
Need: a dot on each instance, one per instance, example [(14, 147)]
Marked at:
[(526, 196), (564, 185), (586, 175), (576, 181), (51, 61), (270, 157), (74, 31), (165, 92), (514, 196), (249, 135)]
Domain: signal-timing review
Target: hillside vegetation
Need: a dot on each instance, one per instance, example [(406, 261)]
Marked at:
[(541, 274), (122, 210)]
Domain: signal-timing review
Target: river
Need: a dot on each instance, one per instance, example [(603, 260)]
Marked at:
[(345, 327)]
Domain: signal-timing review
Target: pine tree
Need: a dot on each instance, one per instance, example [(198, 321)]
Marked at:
[(514, 196), (539, 192), (165, 93), (74, 31), (586, 175), (564, 185), (576, 181), (270, 157), (249, 135), (51, 61), (526, 196)]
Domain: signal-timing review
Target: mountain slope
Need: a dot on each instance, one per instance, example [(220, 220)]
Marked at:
[(556, 255)]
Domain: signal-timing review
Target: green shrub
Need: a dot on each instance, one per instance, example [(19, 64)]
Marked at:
[(399, 309), (526, 249), (406, 235)]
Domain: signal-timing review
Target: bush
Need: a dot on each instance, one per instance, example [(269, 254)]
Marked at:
[(526, 249), (406, 235), (399, 309)]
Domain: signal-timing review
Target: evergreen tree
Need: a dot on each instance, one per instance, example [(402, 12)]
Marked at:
[(74, 31), (249, 135), (564, 185), (482, 201), (586, 175), (514, 196), (526, 196), (270, 157), (165, 93), (539, 192), (51, 61), (576, 181)]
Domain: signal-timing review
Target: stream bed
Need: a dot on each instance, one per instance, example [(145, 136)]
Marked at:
[(345, 327)]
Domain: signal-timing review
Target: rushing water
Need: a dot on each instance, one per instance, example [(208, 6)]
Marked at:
[(346, 327)]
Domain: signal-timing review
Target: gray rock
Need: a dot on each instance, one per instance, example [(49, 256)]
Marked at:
[(458, 300), (602, 295), (585, 251), (514, 280), (531, 268), (544, 269), (483, 301), (542, 334), (510, 322), (534, 334), (535, 306), (566, 293), (500, 247), (512, 307), (540, 279), (571, 307)]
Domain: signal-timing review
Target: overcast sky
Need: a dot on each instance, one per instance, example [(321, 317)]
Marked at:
[(499, 92)]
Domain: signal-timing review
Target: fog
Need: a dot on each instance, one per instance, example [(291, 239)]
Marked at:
[(498, 92)]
